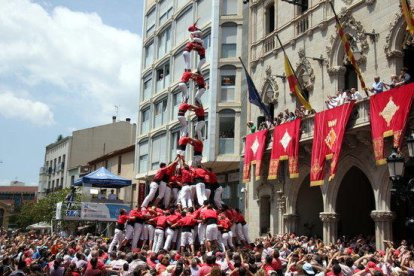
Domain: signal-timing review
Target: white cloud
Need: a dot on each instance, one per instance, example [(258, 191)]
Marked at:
[(25, 109), (75, 51)]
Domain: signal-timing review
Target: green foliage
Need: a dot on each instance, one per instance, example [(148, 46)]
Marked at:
[(42, 210)]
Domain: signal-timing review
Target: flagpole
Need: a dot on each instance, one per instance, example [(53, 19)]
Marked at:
[(294, 73)]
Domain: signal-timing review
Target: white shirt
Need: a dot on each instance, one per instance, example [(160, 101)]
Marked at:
[(112, 197)]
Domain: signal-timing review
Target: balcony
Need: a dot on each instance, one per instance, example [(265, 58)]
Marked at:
[(269, 43), (359, 118), (302, 24)]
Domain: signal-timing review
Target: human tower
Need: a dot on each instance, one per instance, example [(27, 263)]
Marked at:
[(184, 208)]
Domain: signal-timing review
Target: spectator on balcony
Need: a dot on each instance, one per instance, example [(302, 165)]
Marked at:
[(334, 101), (393, 82), (404, 78), (377, 86), (112, 195), (102, 195), (251, 127), (355, 95)]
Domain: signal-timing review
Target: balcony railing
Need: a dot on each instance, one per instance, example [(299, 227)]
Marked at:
[(269, 43), (302, 25), (359, 118)]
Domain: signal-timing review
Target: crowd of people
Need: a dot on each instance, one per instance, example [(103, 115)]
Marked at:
[(289, 255)]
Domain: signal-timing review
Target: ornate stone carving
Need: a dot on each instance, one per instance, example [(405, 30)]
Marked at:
[(356, 37), (323, 25), (329, 217), (394, 24), (270, 89), (382, 215), (370, 2), (304, 71), (336, 70), (290, 217)]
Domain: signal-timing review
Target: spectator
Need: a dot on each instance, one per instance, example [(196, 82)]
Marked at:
[(404, 78), (377, 86), (112, 195), (251, 126)]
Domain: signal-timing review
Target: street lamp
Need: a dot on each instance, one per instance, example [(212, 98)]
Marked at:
[(410, 144), (395, 164)]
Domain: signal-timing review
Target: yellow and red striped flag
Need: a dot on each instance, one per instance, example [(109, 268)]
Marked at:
[(408, 15), (294, 85)]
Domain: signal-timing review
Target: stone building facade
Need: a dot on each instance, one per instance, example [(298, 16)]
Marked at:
[(359, 199)]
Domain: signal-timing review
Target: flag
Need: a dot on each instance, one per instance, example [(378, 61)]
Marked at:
[(329, 131), (254, 96), (408, 15), (294, 85), (348, 50), (253, 153), (285, 147), (389, 114)]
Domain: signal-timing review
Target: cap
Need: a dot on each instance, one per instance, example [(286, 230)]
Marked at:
[(307, 267)]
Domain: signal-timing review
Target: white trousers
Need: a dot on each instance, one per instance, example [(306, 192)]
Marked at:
[(138, 227), (217, 197), (226, 240), (161, 189), (187, 238), (129, 231), (200, 64), (201, 193), (184, 125), (167, 197), (201, 233), (243, 232), (233, 230), (148, 232), (199, 94), (197, 160), (151, 194), (170, 236), (199, 127), (184, 91), (212, 232), (186, 197), (186, 55), (117, 240), (158, 240), (174, 195)]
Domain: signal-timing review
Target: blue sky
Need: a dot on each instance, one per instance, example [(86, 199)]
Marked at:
[(64, 65)]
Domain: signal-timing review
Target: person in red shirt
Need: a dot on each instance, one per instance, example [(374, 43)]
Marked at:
[(242, 228), (182, 145), (215, 189), (198, 149), (200, 124), (195, 43), (161, 224), (149, 227), (186, 198), (171, 233), (200, 187), (198, 80), (182, 109), (129, 231), (225, 237), (210, 216), (138, 227), (176, 186), (119, 230), (187, 224)]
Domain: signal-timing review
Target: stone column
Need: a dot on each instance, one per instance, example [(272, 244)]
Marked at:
[(290, 222), (330, 226), (281, 208), (383, 226)]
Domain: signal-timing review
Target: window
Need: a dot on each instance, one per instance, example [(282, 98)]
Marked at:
[(143, 157), (179, 66), (63, 161), (177, 100), (158, 151), (150, 19), (163, 77), (160, 116), (164, 42), (145, 120), (204, 12), (175, 135), (228, 83), (304, 7), (226, 131), (228, 40), (181, 26), (149, 54), (229, 7), (204, 98), (165, 10), (207, 44), (147, 87), (270, 18)]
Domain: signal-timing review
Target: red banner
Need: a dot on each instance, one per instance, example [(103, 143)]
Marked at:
[(141, 192), (389, 113), (329, 130), (285, 147), (253, 153)]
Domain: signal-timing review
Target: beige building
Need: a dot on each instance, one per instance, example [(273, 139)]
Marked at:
[(359, 199), (66, 160), (165, 34), (119, 162)]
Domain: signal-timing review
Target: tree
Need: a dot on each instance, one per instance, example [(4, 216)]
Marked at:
[(42, 210)]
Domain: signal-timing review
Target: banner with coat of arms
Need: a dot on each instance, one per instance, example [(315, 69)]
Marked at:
[(253, 153), (389, 114), (328, 134), (285, 147)]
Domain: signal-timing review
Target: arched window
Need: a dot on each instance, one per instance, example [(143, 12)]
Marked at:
[(351, 78), (228, 40), (228, 83), (226, 131)]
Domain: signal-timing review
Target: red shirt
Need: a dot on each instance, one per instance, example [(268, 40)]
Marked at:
[(199, 112), (159, 175), (210, 178), (240, 218), (200, 173), (198, 145), (186, 176), (172, 219), (183, 141), (224, 223), (122, 219), (208, 213), (186, 76), (161, 221), (183, 107), (187, 221)]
